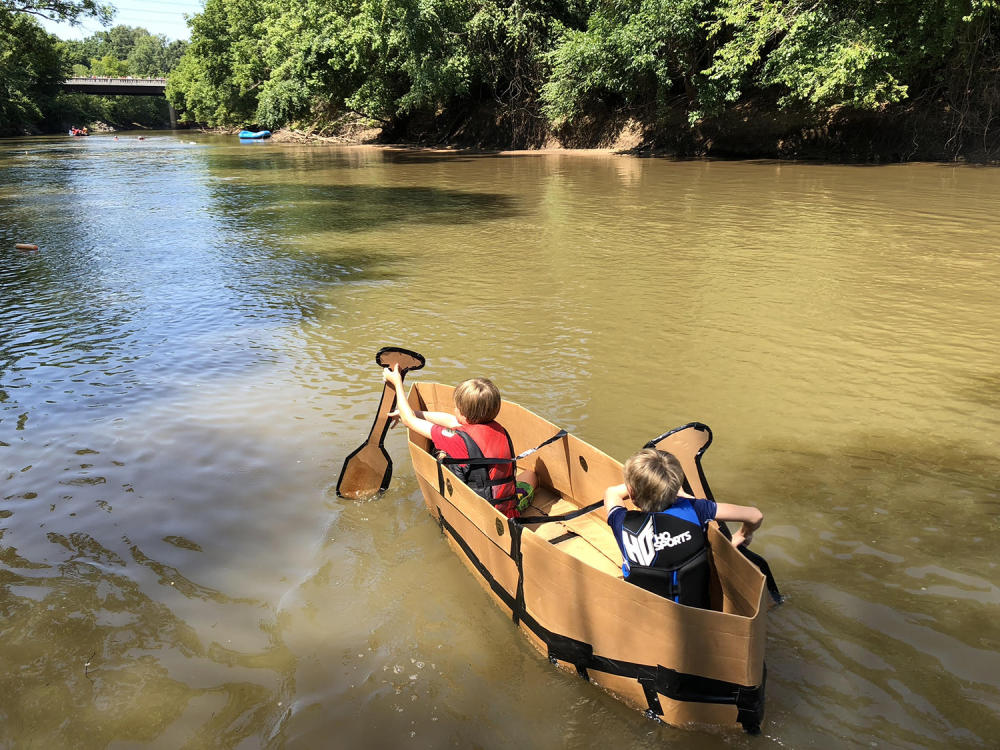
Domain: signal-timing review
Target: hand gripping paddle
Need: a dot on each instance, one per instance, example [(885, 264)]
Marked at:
[(368, 470)]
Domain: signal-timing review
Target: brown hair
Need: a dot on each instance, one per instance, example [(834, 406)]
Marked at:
[(653, 479), (478, 400)]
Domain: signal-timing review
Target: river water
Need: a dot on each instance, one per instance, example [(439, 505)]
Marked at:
[(189, 357)]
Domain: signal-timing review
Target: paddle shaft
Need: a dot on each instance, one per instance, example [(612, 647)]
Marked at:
[(381, 425)]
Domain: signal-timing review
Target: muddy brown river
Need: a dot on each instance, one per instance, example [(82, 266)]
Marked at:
[(188, 358)]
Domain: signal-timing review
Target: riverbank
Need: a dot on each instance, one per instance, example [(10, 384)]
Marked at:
[(749, 131)]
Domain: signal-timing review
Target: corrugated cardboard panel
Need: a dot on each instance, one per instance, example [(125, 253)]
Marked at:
[(742, 583), (495, 559), (430, 495), (548, 531), (625, 622), (594, 528), (626, 689), (528, 430), (593, 475), (424, 464), (581, 548), (745, 592), (490, 522), (549, 504), (680, 713)]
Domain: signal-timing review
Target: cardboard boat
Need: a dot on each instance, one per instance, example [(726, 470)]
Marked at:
[(557, 571)]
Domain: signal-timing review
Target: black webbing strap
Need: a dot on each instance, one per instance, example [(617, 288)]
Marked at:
[(496, 461), (532, 520), (557, 436), (564, 537), (749, 700), (448, 461)]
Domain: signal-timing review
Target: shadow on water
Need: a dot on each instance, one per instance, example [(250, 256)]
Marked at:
[(277, 161), (298, 209), (95, 660)]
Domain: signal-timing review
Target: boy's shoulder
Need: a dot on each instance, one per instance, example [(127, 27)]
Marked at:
[(704, 509)]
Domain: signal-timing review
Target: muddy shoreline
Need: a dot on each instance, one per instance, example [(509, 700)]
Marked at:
[(837, 136)]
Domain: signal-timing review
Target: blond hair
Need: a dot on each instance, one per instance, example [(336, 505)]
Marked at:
[(478, 400), (653, 479)]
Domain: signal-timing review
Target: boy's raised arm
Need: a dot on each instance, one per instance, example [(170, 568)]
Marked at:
[(441, 418), (403, 409)]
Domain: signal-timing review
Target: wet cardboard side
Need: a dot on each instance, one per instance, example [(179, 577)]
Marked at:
[(624, 622)]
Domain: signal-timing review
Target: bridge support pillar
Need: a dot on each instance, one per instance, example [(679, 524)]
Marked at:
[(173, 116)]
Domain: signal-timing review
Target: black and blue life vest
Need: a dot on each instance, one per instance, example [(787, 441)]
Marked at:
[(667, 553)]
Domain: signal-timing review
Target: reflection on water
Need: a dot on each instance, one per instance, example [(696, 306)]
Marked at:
[(188, 358)]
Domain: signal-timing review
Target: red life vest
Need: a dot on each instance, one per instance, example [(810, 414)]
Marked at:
[(494, 482)]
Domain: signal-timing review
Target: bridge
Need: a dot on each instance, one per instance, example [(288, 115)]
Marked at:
[(109, 86)]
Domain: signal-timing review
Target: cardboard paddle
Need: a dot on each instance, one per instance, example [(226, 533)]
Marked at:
[(368, 469)]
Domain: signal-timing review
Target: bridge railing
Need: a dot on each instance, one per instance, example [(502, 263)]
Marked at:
[(110, 81)]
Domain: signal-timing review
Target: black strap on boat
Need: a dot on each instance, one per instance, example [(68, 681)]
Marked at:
[(564, 537), (559, 435), (532, 520), (655, 679), (495, 461), (449, 461)]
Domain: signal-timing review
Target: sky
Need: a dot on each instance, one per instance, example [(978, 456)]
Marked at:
[(156, 16)]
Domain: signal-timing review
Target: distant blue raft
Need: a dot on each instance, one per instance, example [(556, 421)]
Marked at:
[(254, 135)]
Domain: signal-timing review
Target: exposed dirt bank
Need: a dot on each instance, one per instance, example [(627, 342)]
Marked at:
[(745, 132)]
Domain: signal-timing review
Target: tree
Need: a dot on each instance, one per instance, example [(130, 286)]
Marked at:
[(60, 10), (30, 72)]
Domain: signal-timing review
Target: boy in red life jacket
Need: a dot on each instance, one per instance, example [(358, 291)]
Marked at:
[(663, 544), (471, 432)]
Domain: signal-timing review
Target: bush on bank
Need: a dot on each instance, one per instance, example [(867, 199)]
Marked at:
[(693, 74)]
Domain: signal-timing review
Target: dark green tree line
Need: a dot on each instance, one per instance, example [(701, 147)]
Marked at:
[(537, 65)]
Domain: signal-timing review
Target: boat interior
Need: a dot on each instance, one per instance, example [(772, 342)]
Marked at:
[(587, 537)]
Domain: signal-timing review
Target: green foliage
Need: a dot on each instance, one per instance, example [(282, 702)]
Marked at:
[(108, 66), (119, 51), (386, 59), (636, 54), (59, 10), (30, 72), (552, 63)]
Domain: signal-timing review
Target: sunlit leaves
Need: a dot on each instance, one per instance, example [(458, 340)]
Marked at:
[(61, 10)]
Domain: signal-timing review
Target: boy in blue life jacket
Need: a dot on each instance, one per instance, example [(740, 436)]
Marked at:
[(664, 544), (471, 432)]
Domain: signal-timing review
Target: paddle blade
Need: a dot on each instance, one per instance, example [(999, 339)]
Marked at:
[(366, 473), (393, 355), (688, 443)]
